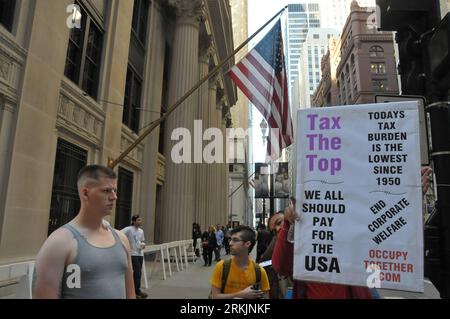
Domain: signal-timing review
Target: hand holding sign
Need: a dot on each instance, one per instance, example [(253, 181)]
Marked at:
[(426, 172)]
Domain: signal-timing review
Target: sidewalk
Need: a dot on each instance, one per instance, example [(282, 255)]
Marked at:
[(190, 283)]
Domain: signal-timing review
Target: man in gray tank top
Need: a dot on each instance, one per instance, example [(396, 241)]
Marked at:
[(87, 258)]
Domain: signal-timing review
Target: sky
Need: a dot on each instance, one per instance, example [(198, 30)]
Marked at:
[(260, 11)]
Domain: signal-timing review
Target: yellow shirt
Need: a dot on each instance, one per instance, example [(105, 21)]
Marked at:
[(238, 279)]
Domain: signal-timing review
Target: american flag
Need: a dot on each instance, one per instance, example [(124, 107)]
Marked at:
[(261, 75)]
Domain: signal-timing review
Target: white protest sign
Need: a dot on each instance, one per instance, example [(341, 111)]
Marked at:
[(359, 196)]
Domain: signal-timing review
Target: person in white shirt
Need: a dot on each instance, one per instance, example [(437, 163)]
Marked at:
[(136, 238)]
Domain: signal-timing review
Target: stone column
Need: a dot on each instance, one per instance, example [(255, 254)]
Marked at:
[(223, 177), (178, 199), (210, 202), (217, 166), (201, 178), (152, 99)]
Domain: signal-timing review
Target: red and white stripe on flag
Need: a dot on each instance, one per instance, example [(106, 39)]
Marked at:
[(261, 75)]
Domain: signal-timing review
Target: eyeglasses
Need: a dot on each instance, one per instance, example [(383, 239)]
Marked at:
[(235, 240)]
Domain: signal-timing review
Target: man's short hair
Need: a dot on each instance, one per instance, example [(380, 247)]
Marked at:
[(134, 218), (94, 172), (247, 234)]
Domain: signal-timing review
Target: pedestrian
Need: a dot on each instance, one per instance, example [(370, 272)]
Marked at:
[(87, 258), (263, 240), (205, 237), (209, 242), (242, 272), (196, 234), (278, 285), (135, 235), (219, 239)]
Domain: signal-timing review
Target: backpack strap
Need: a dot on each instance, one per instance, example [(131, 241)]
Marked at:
[(258, 273), (225, 272)]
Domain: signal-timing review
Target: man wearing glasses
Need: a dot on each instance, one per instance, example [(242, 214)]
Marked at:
[(241, 280)]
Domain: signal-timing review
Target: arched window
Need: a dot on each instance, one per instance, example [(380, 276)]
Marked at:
[(376, 51)]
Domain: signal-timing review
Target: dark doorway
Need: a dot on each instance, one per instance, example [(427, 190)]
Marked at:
[(65, 202), (124, 198)]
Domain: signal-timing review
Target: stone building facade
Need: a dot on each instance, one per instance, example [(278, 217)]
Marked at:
[(360, 64), (73, 96)]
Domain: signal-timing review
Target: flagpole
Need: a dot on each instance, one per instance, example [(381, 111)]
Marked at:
[(242, 184), (157, 122)]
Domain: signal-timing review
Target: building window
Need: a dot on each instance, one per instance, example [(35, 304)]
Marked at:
[(136, 61), (313, 7), (7, 8), (315, 36), (84, 54), (296, 8), (124, 198), (140, 17), (376, 51), (379, 85), (132, 101), (378, 68), (65, 202)]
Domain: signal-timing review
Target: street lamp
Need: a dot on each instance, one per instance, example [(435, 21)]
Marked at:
[(263, 125)]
